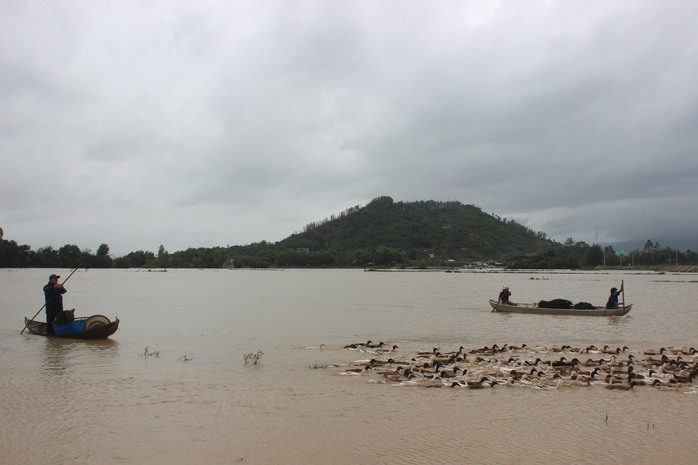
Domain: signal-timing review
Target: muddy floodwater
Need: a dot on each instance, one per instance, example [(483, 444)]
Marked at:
[(172, 387)]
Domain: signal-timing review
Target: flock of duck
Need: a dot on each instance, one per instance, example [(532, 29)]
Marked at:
[(540, 367)]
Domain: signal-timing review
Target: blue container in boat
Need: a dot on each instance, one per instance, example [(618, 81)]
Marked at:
[(69, 328)]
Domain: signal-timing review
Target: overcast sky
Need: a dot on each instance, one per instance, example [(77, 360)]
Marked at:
[(213, 123)]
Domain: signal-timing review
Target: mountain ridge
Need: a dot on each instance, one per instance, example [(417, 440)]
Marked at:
[(451, 230)]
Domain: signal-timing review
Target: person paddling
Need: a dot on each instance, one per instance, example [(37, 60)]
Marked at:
[(504, 296), (53, 291), (613, 298)]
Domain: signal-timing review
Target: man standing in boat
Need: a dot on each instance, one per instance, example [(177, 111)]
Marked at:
[(504, 296), (53, 291), (613, 298)]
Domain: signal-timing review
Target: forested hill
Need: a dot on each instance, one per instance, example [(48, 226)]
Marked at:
[(448, 230), (383, 233)]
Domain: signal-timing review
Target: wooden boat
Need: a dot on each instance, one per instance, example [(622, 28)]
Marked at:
[(93, 327), (534, 308)]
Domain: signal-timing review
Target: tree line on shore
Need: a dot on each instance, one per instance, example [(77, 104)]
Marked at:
[(383, 233), (580, 255), (571, 255)]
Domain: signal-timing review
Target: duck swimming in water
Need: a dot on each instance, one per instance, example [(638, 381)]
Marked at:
[(356, 371), (659, 351), (433, 351), (387, 350), (356, 345), (371, 345), (621, 386)]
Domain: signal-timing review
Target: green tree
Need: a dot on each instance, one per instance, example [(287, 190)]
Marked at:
[(163, 257), (103, 259), (69, 256), (593, 256), (138, 259), (12, 254)]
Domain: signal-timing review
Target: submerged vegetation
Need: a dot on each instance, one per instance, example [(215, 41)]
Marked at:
[(148, 353), (253, 357)]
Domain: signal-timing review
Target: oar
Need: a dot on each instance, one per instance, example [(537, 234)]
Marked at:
[(622, 293), (42, 307)]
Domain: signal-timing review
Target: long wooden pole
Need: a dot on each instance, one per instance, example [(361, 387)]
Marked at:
[(622, 293), (42, 307)]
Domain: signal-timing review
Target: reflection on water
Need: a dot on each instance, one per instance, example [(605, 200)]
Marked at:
[(197, 402), (54, 363), (618, 320), (63, 357)]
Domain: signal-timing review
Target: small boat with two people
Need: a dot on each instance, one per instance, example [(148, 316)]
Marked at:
[(613, 307), (554, 307)]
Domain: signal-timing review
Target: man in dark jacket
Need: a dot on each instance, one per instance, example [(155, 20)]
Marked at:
[(53, 291)]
